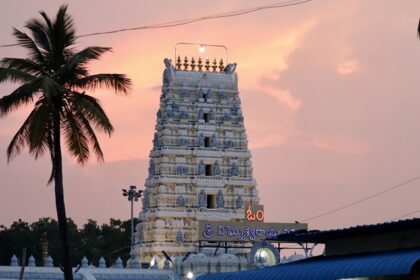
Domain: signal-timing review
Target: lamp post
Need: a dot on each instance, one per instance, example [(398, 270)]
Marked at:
[(132, 195)]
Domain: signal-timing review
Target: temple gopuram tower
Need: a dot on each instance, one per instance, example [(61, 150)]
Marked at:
[(200, 166)]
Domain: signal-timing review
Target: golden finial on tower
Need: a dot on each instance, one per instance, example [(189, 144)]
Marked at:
[(200, 64), (214, 66), (207, 66), (185, 63), (221, 66), (178, 63), (193, 64)]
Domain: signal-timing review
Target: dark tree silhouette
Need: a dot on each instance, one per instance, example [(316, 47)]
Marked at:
[(54, 78)]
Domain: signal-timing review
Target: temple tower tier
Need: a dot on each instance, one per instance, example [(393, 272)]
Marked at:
[(200, 166)]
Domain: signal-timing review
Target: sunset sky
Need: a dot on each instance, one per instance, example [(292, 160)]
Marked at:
[(330, 92)]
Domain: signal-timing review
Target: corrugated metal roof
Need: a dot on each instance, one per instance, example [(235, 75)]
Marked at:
[(331, 268), (318, 236)]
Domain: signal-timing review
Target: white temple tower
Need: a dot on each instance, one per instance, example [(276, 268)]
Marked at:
[(200, 165)]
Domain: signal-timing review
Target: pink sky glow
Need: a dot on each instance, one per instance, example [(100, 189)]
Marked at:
[(329, 90)]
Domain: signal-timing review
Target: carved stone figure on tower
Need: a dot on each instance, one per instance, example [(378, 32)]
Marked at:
[(201, 140), (180, 201), (211, 115), (201, 168), (234, 170), (230, 68), (152, 167), (216, 168), (200, 93), (185, 93), (220, 200), (200, 114), (169, 72), (214, 140), (239, 202), (202, 199)]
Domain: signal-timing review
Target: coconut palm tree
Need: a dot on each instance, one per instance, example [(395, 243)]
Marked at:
[(54, 78), (418, 29)]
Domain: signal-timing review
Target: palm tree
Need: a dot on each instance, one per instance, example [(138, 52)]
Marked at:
[(418, 29), (55, 79)]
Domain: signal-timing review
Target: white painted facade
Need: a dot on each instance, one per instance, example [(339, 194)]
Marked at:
[(200, 166)]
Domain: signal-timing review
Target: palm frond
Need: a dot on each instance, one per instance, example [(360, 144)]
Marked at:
[(22, 64), (418, 29), (118, 82), (93, 140), (91, 108), (20, 96), (27, 42), (80, 58), (62, 36), (19, 140), (40, 128), (75, 137), (40, 33), (15, 75)]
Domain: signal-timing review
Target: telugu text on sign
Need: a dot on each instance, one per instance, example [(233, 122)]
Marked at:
[(245, 232)]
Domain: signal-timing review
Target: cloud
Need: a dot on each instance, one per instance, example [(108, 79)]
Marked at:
[(347, 67)]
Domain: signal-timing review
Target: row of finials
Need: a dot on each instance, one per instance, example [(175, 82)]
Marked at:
[(198, 65)]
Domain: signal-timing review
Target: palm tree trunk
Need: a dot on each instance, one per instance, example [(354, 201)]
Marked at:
[(59, 199)]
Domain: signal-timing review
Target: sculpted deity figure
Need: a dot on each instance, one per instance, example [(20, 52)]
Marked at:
[(169, 111), (145, 199), (169, 72), (208, 94), (220, 200), (200, 93), (155, 139), (201, 168), (216, 168), (214, 140), (201, 140), (222, 94), (180, 201), (185, 93), (230, 68), (239, 202), (179, 237), (151, 167), (234, 170), (211, 114), (184, 114), (200, 114), (226, 117), (202, 199)]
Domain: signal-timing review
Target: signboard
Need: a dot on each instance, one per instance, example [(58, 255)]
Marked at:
[(244, 231), (254, 213)]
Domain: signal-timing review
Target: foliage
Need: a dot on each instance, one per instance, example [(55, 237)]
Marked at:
[(93, 241), (54, 78)]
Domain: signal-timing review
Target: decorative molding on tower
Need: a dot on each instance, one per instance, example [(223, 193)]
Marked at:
[(200, 166)]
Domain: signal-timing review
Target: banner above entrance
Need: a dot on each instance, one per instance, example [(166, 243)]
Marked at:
[(244, 231)]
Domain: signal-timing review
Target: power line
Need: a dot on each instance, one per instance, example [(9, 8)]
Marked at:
[(364, 199), (405, 215), (193, 20)]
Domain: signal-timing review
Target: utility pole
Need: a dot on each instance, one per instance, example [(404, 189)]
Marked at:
[(132, 195)]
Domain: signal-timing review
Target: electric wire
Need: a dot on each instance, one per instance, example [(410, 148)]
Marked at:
[(364, 199), (193, 20), (405, 215)]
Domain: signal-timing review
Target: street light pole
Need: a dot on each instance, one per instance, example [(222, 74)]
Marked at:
[(132, 195)]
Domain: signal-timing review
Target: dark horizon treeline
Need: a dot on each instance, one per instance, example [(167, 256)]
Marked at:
[(91, 240)]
